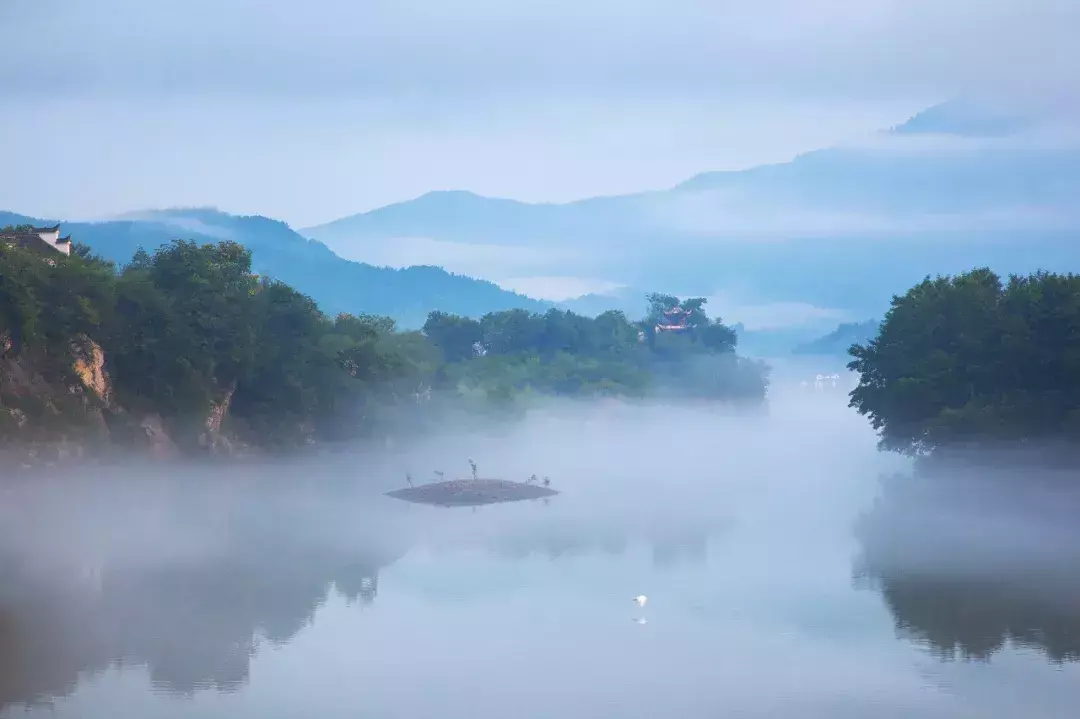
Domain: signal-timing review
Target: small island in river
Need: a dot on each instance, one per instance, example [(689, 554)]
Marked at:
[(471, 492)]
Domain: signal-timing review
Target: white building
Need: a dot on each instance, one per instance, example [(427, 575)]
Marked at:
[(38, 237)]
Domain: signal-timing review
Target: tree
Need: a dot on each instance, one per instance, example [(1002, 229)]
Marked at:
[(191, 334), (186, 332), (512, 331), (966, 360), (658, 304), (276, 395), (614, 333), (718, 337), (456, 336)]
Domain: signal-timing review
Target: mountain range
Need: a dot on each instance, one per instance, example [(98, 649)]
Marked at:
[(837, 342), (840, 229), (338, 285), (826, 238)]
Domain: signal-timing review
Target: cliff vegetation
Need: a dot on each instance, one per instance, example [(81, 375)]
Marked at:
[(186, 351)]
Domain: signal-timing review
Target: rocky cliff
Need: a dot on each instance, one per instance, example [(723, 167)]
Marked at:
[(61, 410)]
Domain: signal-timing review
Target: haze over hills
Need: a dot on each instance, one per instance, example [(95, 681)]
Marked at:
[(837, 342), (838, 230), (785, 252), (338, 285)]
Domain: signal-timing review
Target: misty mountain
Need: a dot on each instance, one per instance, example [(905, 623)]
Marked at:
[(14, 219), (963, 120), (338, 285), (953, 187), (628, 300), (836, 343)]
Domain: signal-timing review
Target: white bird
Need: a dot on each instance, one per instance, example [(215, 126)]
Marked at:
[(641, 599)]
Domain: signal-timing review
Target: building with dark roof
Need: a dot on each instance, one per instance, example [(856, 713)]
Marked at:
[(38, 238)]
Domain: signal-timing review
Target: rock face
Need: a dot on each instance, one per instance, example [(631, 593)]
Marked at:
[(158, 443), (49, 415), (89, 365), (46, 416), (211, 438), (217, 414), (61, 405), (471, 492)]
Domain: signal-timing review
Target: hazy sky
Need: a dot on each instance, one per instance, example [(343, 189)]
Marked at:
[(309, 111)]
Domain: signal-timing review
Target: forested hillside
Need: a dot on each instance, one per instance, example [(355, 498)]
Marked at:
[(186, 349)]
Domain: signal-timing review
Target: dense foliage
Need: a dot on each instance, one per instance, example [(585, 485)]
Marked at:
[(562, 353), (968, 361), (190, 329)]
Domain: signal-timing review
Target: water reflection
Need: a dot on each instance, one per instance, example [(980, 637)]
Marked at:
[(970, 565), (193, 627), (191, 580), (318, 596), (687, 546), (219, 581)]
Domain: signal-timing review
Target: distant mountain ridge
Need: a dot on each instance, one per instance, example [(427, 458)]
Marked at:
[(14, 219), (837, 342), (842, 228), (963, 120), (338, 285), (839, 228), (629, 301)]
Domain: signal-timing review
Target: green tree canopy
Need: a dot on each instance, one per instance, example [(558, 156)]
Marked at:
[(190, 333), (970, 360)]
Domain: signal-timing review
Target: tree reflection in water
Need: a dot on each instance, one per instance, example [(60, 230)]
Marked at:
[(192, 615), (969, 564), (189, 579)]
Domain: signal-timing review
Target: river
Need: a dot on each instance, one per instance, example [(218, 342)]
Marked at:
[(783, 579)]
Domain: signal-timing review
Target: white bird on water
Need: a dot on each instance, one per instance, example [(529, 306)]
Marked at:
[(641, 599)]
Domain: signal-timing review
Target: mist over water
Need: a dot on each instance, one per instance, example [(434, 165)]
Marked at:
[(783, 579)]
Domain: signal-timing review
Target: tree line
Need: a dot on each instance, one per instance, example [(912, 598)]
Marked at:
[(973, 361), (189, 327)]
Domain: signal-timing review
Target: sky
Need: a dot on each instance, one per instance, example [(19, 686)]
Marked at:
[(312, 111)]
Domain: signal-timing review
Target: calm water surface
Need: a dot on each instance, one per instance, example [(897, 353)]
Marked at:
[(298, 591)]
